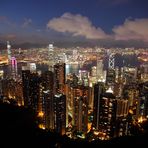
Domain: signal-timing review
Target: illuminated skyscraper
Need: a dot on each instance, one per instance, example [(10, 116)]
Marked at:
[(9, 51), (26, 86), (60, 113), (144, 72), (1, 78), (75, 54), (83, 77), (110, 77), (98, 92), (104, 116), (111, 62), (31, 67), (51, 56), (31, 89), (13, 67), (80, 108), (47, 99), (59, 78), (100, 72), (121, 123), (107, 115)]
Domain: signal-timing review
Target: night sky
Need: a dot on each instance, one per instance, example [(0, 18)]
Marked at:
[(67, 20)]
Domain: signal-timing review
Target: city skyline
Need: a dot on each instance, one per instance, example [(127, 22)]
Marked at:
[(114, 22)]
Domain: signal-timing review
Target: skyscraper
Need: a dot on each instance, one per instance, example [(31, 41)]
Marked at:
[(60, 113), (80, 108), (59, 78), (107, 115), (98, 93), (1, 87), (51, 56), (14, 67), (100, 72), (47, 99), (31, 89), (26, 86), (9, 51), (110, 78)]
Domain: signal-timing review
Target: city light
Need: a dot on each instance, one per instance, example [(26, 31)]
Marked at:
[(41, 126), (80, 97), (141, 119), (40, 114)]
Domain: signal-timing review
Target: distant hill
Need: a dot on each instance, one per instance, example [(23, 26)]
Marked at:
[(89, 43)]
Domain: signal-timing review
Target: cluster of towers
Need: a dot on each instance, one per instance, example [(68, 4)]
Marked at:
[(75, 104), (44, 93)]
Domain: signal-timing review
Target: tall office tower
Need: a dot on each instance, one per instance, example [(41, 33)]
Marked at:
[(111, 62), (51, 56), (34, 91), (144, 72), (91, 98), (14, 67), (122, 109), (110, 78), (62, 57), (59, 78), (98, 92), (9, 51), (71, 83), (83, 77), (107, 117), (94, 71), (26, 86), (31, 89), (131, 92), (93, 76), (60, 113), (32, 67), (47, 99), (143, 103), (80, 108), (75, 55), (18, 93), (1, 79), (100, 73), (117, 74)]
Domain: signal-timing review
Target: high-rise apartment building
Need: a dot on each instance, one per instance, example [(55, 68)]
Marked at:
[(59, 78), (80, 108), (60, 113), (47, 106)]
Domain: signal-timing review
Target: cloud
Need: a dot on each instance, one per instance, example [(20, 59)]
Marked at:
[(26, 22), (77, 25), (132, 30)]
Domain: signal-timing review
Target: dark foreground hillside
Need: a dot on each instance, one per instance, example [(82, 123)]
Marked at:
[(18, 128)]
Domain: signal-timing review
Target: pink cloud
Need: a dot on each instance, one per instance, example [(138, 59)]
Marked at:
[(132, 29), (77, 25)]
